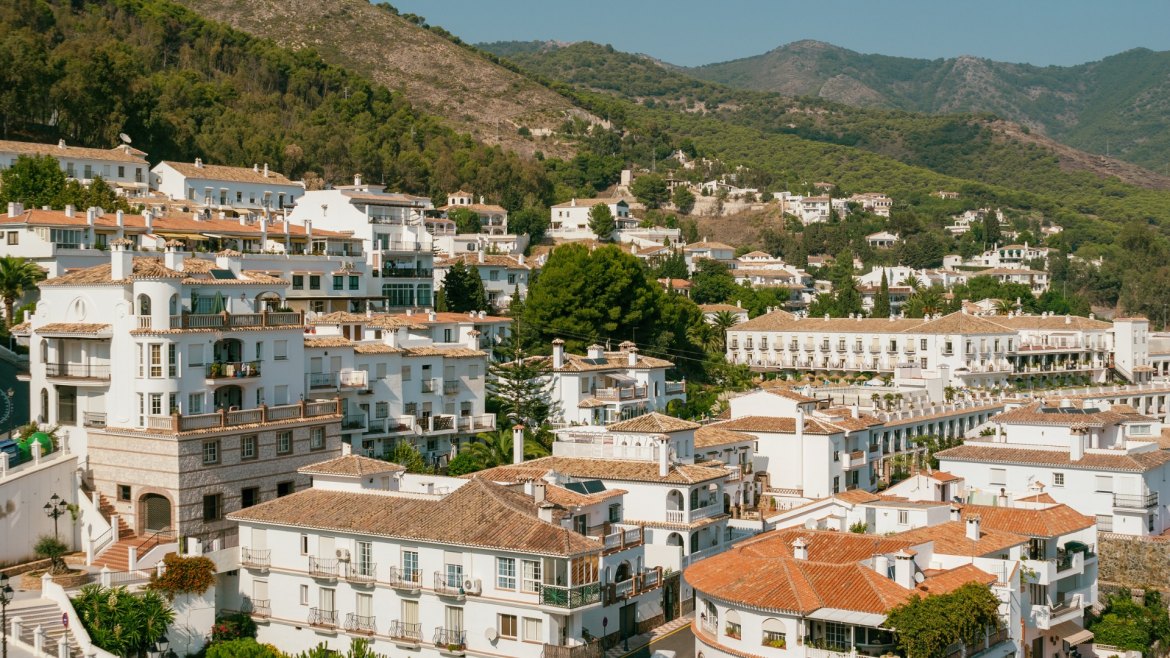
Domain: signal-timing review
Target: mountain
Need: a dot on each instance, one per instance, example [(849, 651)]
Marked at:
[(1119, 106), (429, 66)]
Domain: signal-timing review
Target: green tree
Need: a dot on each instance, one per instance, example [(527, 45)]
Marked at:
[(17, 277), (651, 190), (244, 647), (490, 449), (358, 648), (463, 289), (991, 233), (1133, 626), (521, 387), (925, 627), (881, 304), (35, 181), (466, 220), (926, 301), (408, 457), (712, 282), (673, 266), (601, 222), (54, 550), (529, 220), (683, 199), (121, 622)]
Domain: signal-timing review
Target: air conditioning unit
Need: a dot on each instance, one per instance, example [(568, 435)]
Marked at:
[(472, 586), (343, 554)]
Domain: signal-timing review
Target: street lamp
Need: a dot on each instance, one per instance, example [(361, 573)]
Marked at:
[(162, 647), (5, 599), (54, 509)]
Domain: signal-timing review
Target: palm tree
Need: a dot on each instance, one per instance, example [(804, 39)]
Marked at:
[(704, 335), (1004, 306), (913, 282), (495, 448), (17, 276)]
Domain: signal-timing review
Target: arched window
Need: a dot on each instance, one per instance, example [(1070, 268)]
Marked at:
[(774, 634), (174, 310), (44, 405), (144, 305), (731, 627), (674, 500), (44, 350)]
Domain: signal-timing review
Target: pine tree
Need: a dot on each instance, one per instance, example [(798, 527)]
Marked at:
[(601, 221), (881, 305), (521, 386), (463, 289)]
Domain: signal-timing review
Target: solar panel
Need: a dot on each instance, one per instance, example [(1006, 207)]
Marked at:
[(586, 487), (222, 274)]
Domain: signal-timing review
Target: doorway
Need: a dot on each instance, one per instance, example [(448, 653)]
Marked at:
[(156, 512)]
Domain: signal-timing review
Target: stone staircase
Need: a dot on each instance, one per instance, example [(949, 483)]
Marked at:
[(47, 615)]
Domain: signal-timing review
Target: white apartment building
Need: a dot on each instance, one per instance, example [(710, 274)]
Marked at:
[(570, 220), (440, 567), (696, 251), (961, 349), (417, 378), (800, 592), (1018, 256), (398, 248), (178, 386), (503, 277), (1100, 458), (602, 387), (123, 167), (220, 188)]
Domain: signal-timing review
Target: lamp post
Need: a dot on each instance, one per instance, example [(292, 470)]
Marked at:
[(5, 599), (54, 509), (162, 647)]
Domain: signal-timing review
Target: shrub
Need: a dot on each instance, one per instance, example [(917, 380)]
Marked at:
[(244, 647), (54, 550), (184, 575), (233, 627)]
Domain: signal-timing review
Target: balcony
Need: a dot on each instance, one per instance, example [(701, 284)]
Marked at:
[(449, 588), (322, 569), (407, 272), (258, 608), (324, 380), (404, 247), (405, 579), (690, 516), (223, 419), (1135, 501), (620, 393), (450, 641), (854, 461), (319, 618), (624, 537), (93, 418), (450, 387), (231, 370), (354, 422), (361, 573), (264, 319), (98, 371), (405, 635), (557, 596), (1046, 617), (480, 423), (354, 379), (359, 625), (676, 388), (255, 559), (427, 386)]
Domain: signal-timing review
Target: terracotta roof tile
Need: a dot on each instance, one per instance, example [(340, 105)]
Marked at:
[(710, 436), (1048, 522), (953, 579), (777, 425), (951, 539), (353, 465), (601, 469), (653, 422), (472, 259), (143, 268), (376, 348), (327, 341), (71, 328), (1138, 462), (568, 498), (116, 154), (448, 352), (224, 172)]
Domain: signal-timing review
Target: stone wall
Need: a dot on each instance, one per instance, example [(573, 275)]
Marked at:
[(1133, 562)]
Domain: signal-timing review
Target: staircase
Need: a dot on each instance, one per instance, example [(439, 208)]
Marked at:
[(117, 555), (107, 509), (47, 615)]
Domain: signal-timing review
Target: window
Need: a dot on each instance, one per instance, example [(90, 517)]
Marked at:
[(615, 513), (532, 629), (338, 282), (123, 492), (249, 496), (210, 452), (505, 573), (280, 350), (530, 576), (1058, 479), (405, 373), (283, 442), (156, 404), (1139, 430), (365, 558), (316, 438), (409, 613), (354, 281), (195, 355), (13, 237), (836, 484), (304, 595), (248, 446), (732, 630), (212, 507), (304, 544), (1104, 523), (837, 635), (997, 476), (1105, 483), (156, 364), (281, 394), (507, 626), (327, 599), (454, 575), (284, 488), (172, 359), (314, 282), (473, 371), (410, 565), (298, 281), (381, 409), (511, 279), (903, 517)]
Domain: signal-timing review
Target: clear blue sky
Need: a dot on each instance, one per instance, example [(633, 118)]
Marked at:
[(692, 32)]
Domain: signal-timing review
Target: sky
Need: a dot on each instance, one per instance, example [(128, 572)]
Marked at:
[(694, 32)]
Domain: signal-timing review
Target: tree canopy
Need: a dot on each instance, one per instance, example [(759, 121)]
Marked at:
[(463, 289), (601, 221), (651, 190), (925, 627)]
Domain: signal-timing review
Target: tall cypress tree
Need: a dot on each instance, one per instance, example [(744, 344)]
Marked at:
[(881, 305)]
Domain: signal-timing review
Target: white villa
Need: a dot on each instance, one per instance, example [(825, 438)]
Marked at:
[(220, 188), (123, 167)]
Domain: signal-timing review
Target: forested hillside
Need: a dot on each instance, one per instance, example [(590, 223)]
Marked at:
[(1119, 105)]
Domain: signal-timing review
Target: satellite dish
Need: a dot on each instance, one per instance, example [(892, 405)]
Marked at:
[(918, 577), (491, 634), (124, 137)]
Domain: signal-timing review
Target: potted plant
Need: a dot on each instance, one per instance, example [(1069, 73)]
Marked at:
[(216, 369), (776, 643)]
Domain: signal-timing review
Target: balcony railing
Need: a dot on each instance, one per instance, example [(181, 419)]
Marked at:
[(405, 579), (676, 388), (448, 587), (361, 573), (232, 320), (427, 386), (232, 369), (322, 568), (407, 273), (622, 538), (353, 379), (93, 418), (401, 631), (1136, 501), (570, 597), (355, 422), (478, 423), (255, 559), (359, 624), (225, 419), (78, 370), (450, 387), (616, 394), (259, 608), (685, 516), (318, 380), (853, 461), (322, 618), (451, 640)]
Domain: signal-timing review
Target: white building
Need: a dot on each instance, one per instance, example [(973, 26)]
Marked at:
[(696, 251), (123, 167), (493, 218), (437, 566), (874, 202), (570, 220), (602, 387), (220, 188), (503, 277), (882, 240), (1100, 458), (399, 250)]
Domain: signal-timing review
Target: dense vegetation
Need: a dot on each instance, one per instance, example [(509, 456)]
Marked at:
[(1133, 626)]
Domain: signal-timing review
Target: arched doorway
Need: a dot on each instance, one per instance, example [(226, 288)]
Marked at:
[(156, 513), (228, 350), (227, 397), (623, 572), (674, 539)]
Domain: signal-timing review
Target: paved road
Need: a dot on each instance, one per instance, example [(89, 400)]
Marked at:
[(681, 642)]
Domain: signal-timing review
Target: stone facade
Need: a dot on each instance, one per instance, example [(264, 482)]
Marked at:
[(1133, 562)]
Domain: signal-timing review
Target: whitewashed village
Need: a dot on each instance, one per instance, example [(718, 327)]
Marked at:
[(291, 416)]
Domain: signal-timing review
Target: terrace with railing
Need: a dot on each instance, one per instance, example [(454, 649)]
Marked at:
[(322, 618), (251, 558), (405, 579), (450, 640), (404, 633), (359, 624), (99, 371), (226, 419), (324, 569), (225, 320), (577, 596)]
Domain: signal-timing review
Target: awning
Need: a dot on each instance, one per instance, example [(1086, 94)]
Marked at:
[(848, 617), (1070, 632), (623, 380)]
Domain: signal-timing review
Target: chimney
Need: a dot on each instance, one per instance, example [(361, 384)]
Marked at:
[(357, 180), (558, 356), (881, 564), (173, 258), (284, 223), (266, 170), (545, 512), (517, 444), (121, 219), (632, 356), (800, 549), (69, 210), (1077, 444), (520, 259), (538, 491), (973, 523), (430, 316), (198, 163), (90, 216), (799, 425), (473, 339), (121, 261), (255, 167), (15, 208), (263, 234), (904, 569), (663, 456), (60, 143), (243, 220), (956, 513), (308, 235), (596, 352), (480, 254), (856, 411), (148, 219)]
